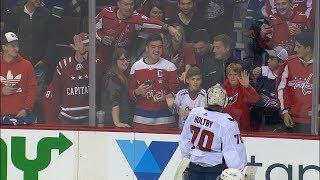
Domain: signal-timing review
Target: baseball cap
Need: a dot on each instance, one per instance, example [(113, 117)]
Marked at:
[(278, 52), (9, 37)]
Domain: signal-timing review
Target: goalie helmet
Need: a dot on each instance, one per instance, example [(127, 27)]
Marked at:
[(232, 174), (216, 95)]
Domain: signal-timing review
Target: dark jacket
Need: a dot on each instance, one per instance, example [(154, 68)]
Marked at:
[(213, 72), (114, 93), (36, 34)]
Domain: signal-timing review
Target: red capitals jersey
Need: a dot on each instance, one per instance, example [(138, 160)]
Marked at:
[(68, 93), (295, 89), (281, 33), (298, 5), (163, 76), (239, 100), (123, 31)]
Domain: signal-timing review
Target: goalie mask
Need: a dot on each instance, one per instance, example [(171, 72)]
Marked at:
[(216, 96), (232, 174)]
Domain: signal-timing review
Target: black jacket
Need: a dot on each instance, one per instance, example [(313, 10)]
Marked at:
[(114, 93), (36, 35)]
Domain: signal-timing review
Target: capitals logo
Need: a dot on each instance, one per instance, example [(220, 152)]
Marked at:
[(147, 162)]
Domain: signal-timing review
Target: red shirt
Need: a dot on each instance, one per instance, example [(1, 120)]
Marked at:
[(295, 89), (164, 78), (239, 99), (281, 33), (68, 93), (123, 31), (19, 73)]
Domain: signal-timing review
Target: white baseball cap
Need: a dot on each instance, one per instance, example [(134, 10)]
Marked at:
[(9, 37), (278, 52)]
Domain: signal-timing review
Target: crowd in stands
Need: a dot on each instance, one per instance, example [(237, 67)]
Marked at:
[(155, 59)]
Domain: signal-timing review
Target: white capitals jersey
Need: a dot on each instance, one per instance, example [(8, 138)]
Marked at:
[(208, 136), (185, 101)]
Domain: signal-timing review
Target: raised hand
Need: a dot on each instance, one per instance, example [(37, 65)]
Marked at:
[(244, 79)]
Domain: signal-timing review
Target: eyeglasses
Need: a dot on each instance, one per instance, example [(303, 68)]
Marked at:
[(124, 59)]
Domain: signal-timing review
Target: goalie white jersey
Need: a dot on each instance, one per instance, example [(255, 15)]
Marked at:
[(208, 136)]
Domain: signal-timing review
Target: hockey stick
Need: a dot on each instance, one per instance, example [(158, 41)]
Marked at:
[(182, 166)]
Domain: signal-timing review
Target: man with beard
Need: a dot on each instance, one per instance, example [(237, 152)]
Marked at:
[(67, 97)]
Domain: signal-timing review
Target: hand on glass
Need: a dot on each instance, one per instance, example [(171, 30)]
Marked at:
[(244, 79)]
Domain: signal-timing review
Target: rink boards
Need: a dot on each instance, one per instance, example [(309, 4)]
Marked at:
[(96, 155)]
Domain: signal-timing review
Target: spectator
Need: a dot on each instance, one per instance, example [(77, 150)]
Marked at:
[(305, 6), (218, 16), (179, 52), (152, 80), (67, 97), (201, 47), (214, 70), (192, 97), (189, 20), (18, 84), (35, 27), (155, 10), (118, 26), (295, 88), (115, 96), (285, 25), (264, 81), (241, 94)]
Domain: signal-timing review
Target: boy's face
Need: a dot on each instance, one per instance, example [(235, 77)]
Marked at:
[(11, 49), (273, 63), (233, 78), (300, 50), (194, 82)]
